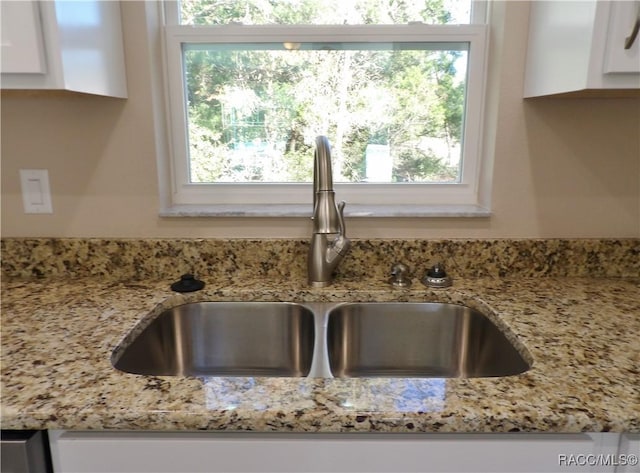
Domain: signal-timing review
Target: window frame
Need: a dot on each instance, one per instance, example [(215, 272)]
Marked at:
[(363, 199)]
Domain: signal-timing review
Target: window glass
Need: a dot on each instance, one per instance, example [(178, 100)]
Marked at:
[(393, 112), (324, 12)]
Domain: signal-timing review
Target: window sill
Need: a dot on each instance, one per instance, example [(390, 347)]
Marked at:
[(304, 210)]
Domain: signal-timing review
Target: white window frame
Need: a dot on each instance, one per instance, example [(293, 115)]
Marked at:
[(183, 198)]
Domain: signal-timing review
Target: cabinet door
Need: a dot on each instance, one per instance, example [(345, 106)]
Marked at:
[(21, 38), (623, 47), (113, 452)]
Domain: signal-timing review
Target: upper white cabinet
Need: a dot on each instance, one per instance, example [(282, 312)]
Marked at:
[(22, 45), (583, 47), (63, 45)]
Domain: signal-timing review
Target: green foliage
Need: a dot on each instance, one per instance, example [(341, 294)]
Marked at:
[(418, 166), (299, 165), (207, 156)]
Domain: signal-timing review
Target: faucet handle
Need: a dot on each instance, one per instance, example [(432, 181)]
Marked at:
[(341, 227), (341, 243)]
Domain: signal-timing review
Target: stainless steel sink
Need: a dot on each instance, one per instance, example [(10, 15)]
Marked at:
[(417, 340), (402, 339), (224, 339)]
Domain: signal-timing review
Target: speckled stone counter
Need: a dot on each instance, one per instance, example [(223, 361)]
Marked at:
[(285, 258), (581, 334)]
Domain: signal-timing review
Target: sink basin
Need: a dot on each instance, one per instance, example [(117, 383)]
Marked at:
[(417, 340), (224, 339), (384, 339)]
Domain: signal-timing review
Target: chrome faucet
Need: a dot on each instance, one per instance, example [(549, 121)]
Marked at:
[(328, 241)]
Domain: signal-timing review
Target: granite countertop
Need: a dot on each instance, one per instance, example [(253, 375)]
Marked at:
[(581, 335)]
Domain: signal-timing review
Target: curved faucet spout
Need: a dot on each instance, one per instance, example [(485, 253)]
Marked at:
[(326, 216), (323, 176), (325, 253)]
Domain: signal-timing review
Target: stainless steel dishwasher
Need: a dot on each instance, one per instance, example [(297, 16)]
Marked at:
[(25, 451)]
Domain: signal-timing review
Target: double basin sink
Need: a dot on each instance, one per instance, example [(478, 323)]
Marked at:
[(383, 339)]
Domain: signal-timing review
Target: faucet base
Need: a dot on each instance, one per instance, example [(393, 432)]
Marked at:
[(319, 283)]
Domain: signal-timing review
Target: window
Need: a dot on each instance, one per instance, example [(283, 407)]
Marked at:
[(397, 87)]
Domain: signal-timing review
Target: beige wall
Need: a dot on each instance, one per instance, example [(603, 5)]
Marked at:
[(562, 167)]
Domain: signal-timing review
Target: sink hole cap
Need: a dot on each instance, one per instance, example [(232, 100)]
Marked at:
[(437, 277), (187, 283)]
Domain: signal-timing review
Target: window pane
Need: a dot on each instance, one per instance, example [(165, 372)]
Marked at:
[(323, 12), (393, 111)]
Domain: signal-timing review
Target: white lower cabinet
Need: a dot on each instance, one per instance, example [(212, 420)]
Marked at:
[(115, 452), (629, 451)]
